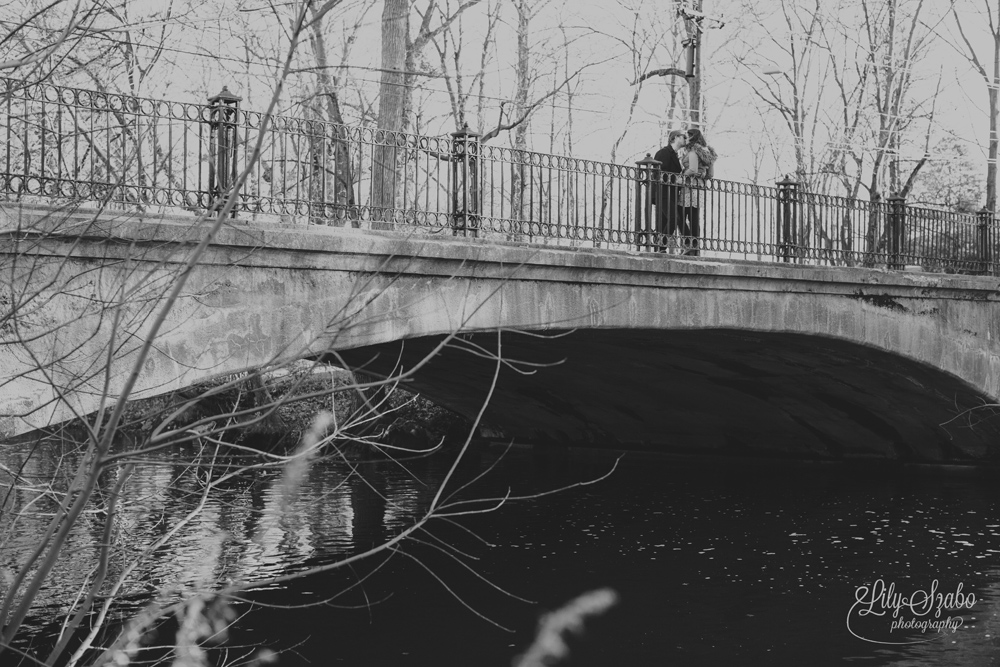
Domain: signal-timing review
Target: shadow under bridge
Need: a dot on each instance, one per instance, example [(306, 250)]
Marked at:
[(703, 391)]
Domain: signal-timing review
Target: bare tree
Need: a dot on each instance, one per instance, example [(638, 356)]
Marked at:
[(101, 432), (991, 78), (688, 56), (36, 37), (849, 106), (649, 42), (793, 87), (126, 302), (695, 40), (948, 179), (895, 42), (400, 53), (391, 101), (464, 87), (333, 183)]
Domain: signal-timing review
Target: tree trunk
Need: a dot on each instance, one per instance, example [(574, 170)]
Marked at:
[(334, 182), (883, 97), (991, 163), (694, 83), (518, 184), (991, 91), (395, 33)]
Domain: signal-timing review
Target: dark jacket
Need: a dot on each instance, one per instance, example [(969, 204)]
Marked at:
[(669, 164), (669, 161)]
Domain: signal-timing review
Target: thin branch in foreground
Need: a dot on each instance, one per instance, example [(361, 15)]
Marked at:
[(450, 590), (530, 496), (473, 572)]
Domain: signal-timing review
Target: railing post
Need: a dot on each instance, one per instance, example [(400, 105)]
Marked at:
[(465, 214), (788, 197), (897, 230), (647, 177), (984, 240), (223, 111)]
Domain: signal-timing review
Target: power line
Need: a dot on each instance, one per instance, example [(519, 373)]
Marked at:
[(269, 67), (253, 62), (241, 61)]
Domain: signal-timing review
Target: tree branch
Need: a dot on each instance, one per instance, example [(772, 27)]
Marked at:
[(501, 127), (666, 71)]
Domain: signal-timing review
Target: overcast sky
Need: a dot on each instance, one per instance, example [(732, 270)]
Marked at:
[(599, 33)]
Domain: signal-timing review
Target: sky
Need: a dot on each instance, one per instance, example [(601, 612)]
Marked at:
[(237, 43)]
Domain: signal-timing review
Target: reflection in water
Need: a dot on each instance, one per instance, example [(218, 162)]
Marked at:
[(298, 524), (752, 563), (250, 527)]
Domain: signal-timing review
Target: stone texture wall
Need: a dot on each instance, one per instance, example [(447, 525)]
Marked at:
[(266, 294)]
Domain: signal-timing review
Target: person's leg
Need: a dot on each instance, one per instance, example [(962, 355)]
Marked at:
[(674, 204), (665, 219), (695, 231), (663, 223), (684, 227)]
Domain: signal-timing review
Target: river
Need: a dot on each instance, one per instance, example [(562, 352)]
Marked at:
[(711, 561)]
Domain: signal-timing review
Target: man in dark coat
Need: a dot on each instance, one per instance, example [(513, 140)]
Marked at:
[(668, 196)]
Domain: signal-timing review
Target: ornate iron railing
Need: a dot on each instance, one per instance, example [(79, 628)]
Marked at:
[(78, 146), (71, 144)]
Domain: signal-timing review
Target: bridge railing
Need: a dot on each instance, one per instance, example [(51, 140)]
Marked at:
[(84, 145), (78, 146), (788, 224)]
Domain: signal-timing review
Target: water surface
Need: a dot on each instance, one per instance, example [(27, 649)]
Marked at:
[(752, 562)]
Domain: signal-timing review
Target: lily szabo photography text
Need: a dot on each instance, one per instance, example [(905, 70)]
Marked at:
[(928, 611)]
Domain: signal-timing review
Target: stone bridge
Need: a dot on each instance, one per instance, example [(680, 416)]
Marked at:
[(602, 347)]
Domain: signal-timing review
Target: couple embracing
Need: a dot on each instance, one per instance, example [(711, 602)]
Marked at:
[(678, 201)]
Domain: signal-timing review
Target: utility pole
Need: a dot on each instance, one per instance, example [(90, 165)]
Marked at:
[(695, 23)]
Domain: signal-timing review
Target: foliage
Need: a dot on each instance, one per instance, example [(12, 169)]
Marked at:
[(953, 180)]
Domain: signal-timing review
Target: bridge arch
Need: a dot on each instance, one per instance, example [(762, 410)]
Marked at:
[(706, 356), (925, 345)]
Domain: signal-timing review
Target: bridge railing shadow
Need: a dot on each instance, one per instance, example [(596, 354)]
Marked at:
[(84, 147)]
